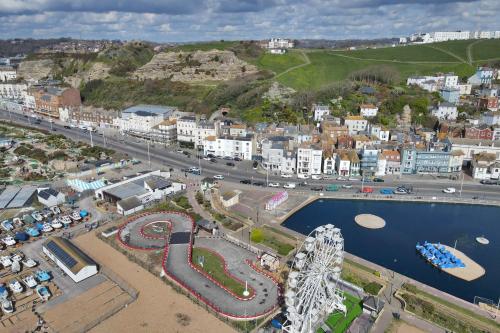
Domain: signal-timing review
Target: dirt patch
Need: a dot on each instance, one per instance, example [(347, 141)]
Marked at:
[(92, 305), (158, 305), (35, 69)]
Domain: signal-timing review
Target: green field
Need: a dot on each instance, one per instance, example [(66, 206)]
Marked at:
[(328, 66), (339, 323), (214, 266), (486, 49), (282, 62), (456, 47), (206, 46), (413, 53)]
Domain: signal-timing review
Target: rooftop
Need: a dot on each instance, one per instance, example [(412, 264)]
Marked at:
[(144, 110), (129, 203), (67, 253)]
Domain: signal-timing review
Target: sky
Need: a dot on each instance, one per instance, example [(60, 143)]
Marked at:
[(199, 20)]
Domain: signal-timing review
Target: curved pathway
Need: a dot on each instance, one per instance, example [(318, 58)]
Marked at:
[(307, 62), (177, 243)]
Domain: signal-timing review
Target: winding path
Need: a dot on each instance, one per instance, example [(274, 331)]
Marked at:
[(307, 62), (177, 245)]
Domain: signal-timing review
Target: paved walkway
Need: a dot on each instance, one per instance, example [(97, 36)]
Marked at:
[(177, 264)]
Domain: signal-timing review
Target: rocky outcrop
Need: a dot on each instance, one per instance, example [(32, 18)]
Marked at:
[(35, 69), (97, 70), (195, 66)]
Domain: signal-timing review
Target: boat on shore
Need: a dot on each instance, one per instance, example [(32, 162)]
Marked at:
[(438, 256)]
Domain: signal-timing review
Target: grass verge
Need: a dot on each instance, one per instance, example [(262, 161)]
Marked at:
[(340, 323), (214, 266)]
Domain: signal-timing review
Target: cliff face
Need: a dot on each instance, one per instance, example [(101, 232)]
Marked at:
[(35, 69), (195, 66)]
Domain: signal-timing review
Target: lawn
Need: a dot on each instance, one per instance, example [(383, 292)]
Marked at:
[(486, 49), (457, 47), (206, 46), (272, 240), (278, 63), (327, 67), (340, 323), (214, 266), (402, 53)]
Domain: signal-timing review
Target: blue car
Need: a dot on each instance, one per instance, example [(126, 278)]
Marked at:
[(386, 191)]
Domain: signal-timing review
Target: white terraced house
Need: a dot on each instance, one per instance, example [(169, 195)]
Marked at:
[(7, 73), (240, 147), (309, 160), (368, 110), (13, 91)]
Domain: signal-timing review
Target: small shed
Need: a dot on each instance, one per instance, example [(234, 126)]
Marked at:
[(230, 198), (270, 262), (372, 305), (207, 183), (207, 226), (50, 197)]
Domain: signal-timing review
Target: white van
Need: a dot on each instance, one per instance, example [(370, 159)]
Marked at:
[(289, 185)]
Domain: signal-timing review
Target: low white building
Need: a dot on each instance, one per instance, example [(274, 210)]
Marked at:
[(13, 91), (464, 88), (485, 166), (490, 118), (50, 197), (279, 43), (355, 124), (76, 264), (368, 110), (147, 187), (471, 147), (7, 73), (309, 160), (446, 111), (140, 120), (381, 133), (320, 111), (240, 147)]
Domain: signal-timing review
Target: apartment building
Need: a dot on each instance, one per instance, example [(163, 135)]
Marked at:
[(446, 111), (140, 120), (50, 100), (319, 111), (355, 124), (369, 161), (7, 73), (240, 147), (13, 91), (309, 160)]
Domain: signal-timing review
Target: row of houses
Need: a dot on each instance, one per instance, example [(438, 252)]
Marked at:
[(443, 36)]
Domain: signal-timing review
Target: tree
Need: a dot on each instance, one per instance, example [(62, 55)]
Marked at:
[(257, 235)]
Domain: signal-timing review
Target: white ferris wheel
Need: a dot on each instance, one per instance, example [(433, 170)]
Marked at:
[(312, 292)]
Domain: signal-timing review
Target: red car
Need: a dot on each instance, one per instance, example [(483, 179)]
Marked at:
[(367, 189)]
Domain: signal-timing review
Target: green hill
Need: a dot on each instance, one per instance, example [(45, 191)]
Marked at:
[(328, 66)]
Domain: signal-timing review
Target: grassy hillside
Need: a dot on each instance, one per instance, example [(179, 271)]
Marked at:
[(206, 46), (411, 53), (455, 47), (327, 67), (486, 49), (280, 63)]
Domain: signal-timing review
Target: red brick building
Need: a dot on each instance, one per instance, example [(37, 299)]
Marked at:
[(48, 100), (488, 103), (480, 132)]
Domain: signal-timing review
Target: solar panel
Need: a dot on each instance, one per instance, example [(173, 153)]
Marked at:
[(62, 255)]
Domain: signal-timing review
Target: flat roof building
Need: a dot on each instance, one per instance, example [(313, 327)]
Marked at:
[(70, 258)]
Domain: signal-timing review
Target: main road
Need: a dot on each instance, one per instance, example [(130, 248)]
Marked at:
[(169, 157)]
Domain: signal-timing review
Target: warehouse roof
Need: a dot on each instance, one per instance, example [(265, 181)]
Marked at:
[(67, 253)]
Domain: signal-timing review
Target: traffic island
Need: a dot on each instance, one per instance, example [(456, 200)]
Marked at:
[(369, 221)]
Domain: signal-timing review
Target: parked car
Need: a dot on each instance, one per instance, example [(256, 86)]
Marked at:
[(259, 183), (367, 189), (347, 186), (213, 160), (378, 180), (237, 159), (317, 188), (316, 177), (67, 126), (386, 191), (219, 177), (273, 184), (289, 185), (207, 158), (230, 164), (449, 190), (353, 179), (246, 181), (340, 178), (180, 151), (286, 175), (228, 158), (302, 176)]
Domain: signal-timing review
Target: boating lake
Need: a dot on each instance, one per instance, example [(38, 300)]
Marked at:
[(407, 223)]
